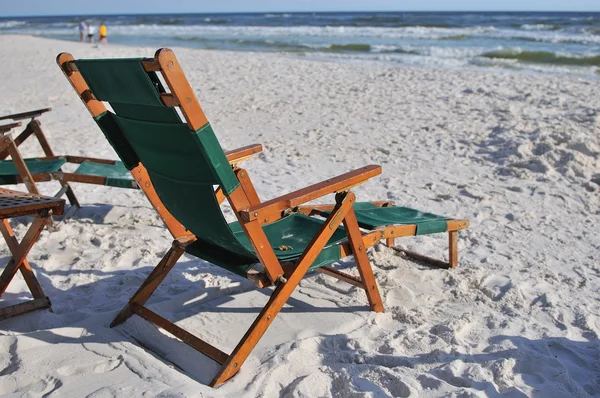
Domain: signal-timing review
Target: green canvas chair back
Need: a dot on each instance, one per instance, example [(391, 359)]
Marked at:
[(184, 165)]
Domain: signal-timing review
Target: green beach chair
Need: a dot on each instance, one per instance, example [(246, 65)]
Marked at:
[(179, 163), (49, 167)]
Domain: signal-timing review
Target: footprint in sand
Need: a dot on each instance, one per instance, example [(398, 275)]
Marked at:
[(96, 241), (387, 379), (495, 286), (41, 388), (102, 366), (401, 297), (8, 385), (428, 382), (452, 373)]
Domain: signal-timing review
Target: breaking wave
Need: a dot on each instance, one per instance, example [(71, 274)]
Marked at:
[(544, 57)]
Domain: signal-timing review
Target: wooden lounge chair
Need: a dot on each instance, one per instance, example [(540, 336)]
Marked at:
[(178, 164), (49, 167), (14, 204)]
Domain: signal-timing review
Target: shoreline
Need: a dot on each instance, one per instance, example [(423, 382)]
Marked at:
[(517, 155), (356, 62)]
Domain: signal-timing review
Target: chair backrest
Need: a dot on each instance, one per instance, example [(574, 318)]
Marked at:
[(184, 165)]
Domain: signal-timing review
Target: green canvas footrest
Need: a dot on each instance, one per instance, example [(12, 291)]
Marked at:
[(116, 174), (9, 173), (370, 216)]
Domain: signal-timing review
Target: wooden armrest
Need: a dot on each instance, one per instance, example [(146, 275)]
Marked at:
[(77, 159), (26, 115), (81, 159), (340, 183), (311, 210), (8, 127), (243, 153)]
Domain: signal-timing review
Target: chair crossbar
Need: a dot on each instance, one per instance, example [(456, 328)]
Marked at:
[(182, 334)]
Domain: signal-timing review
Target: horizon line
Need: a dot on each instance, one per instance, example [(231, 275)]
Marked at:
[(300, 12)]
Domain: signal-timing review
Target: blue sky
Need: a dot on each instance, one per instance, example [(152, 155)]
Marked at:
[(84, 7)]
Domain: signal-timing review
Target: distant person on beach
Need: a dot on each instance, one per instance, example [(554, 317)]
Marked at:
[(91, 29), (102, 34), (82, 29)]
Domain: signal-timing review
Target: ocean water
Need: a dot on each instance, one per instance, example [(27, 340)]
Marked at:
[(565, 43)]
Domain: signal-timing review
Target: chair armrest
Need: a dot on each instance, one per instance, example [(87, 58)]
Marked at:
[(243, 153), (310, 210), (7, 127), (26, 115), (340, 183), (81, 159)]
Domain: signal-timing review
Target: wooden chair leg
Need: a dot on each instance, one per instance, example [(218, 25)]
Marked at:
[(71, 196), (21, 166), (283, 292), (19, 256), (66, 189), (453, 249), (36, 126), (19, 262), (389, 242), (18, 140), (362, 261), (23, 308), (155, 278), (241, 352)]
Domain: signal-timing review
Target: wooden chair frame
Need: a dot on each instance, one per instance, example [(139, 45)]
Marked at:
[(18, 262), (252, 214), (9, 147)]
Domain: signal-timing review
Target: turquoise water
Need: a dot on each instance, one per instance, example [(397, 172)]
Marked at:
[(548, 42)]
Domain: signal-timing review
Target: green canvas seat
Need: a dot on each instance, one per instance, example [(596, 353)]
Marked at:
[(288, 237), (116, 174), (184, 162), (9, 173)]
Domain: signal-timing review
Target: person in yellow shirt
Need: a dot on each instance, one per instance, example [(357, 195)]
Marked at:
[(102, 34)]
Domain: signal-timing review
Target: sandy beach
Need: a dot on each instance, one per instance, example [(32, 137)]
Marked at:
[(518, 154)]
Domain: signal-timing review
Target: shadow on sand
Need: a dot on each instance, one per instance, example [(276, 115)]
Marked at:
[(91, 306)]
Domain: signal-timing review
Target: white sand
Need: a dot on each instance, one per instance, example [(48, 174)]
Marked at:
[(516, 154)]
